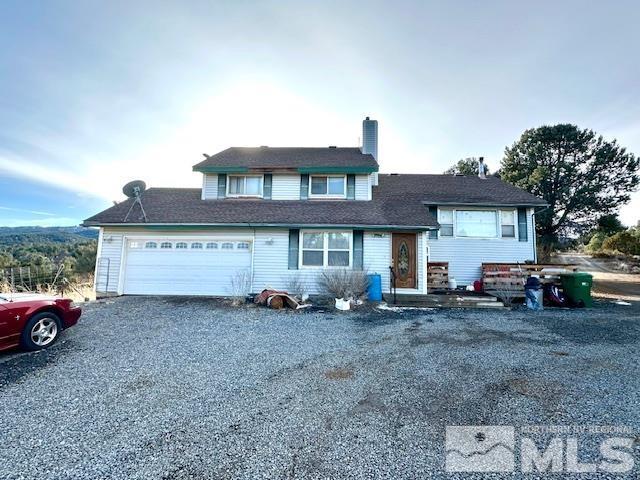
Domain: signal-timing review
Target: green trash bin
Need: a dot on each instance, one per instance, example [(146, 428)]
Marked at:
[(577, 287)]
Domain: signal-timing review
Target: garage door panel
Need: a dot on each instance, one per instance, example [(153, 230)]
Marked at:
[(184, 271)]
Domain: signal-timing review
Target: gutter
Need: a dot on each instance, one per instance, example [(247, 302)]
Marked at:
[(193, 226), (486, 204), (314, 169)]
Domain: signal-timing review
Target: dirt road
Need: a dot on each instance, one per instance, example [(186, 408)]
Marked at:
[(607, 282)]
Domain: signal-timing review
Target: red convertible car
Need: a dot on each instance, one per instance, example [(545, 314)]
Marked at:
[(34, 321)]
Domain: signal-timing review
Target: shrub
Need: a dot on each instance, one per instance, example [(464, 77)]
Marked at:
[(296, 285), (626, 242), (240, 287), (595, 244), (344, 283)]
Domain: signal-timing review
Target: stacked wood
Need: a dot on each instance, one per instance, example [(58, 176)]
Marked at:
[(511, 277), (437, 275)]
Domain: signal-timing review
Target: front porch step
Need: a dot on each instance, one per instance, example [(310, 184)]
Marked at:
[(445, 301)]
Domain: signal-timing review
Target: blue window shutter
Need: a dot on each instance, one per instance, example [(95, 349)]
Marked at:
[(351, 186), (433, 210), (294, 241), (358, 250), (222, 185), (266, 186), (304, 186), (522, 224)]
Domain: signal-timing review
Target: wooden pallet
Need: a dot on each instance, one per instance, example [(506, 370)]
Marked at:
[(437, 275), (511, 277)]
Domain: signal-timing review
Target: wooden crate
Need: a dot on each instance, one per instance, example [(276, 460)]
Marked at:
[(437, 275)]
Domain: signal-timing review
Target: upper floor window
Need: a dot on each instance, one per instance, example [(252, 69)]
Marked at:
[(477, 223), (328, 186), (508, 223), (244, 186), (445, 219)]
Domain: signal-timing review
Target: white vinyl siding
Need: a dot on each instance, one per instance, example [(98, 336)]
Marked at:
[(210, 186), (285, 186), (270, 264), (377, 256), (466, 255), (269, 249), (108, 262), (111, 249), (363, 187)]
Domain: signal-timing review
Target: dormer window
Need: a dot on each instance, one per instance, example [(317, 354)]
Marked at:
[(244, 186), (328, 186)]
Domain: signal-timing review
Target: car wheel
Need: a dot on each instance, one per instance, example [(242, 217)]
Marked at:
[(41, 331)]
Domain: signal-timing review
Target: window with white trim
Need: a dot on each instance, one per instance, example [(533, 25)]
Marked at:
[(212, 246), (242, 246), (244, 185), (227, 246), (151, 245), (196, 245), (476, 223), (181, 245), (508, 223), (328, 186), (445, 219), (166, 245), (326, 249)]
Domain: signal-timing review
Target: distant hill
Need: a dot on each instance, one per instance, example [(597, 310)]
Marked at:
[(11, 236)]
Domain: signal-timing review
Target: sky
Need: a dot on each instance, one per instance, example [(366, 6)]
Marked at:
[(95, 94)]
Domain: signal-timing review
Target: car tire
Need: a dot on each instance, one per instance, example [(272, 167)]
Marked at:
[(41, 331)]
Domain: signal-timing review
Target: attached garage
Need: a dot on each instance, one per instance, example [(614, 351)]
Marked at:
[(195, 266)]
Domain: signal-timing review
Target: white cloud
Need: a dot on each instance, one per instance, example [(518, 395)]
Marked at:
[(22, 210)]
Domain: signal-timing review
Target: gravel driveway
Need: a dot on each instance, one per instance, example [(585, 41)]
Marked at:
[(188, 388)]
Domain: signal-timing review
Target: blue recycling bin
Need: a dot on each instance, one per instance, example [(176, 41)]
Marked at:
[(374, 289)]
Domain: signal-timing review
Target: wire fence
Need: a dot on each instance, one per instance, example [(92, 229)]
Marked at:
[(32, 278)]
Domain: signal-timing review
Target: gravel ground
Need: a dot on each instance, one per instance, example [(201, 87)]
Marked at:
[(189, 388)]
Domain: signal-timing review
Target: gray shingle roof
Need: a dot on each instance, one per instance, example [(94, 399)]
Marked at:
[(453, 189), (184, 206), (398, 200), (289, 158)]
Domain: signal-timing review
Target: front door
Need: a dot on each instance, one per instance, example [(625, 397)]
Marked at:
[(404, 259)]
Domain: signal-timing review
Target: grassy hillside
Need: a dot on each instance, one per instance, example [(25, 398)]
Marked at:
[(75, 247), (24, 235)]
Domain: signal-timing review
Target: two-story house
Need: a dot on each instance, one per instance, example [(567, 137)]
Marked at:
[(278, 212)]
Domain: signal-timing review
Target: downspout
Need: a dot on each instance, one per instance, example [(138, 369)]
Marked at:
[(535, 234), (253, 256)]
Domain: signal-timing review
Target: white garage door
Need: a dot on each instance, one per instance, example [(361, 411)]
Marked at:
[(185, 267)]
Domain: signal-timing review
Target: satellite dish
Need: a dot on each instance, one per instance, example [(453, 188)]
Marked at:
[(134, 189)]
